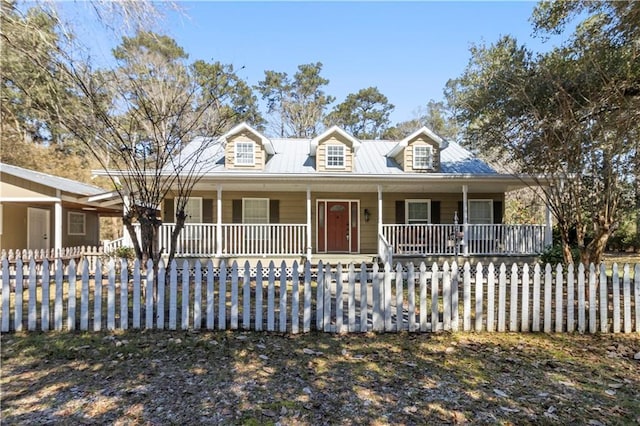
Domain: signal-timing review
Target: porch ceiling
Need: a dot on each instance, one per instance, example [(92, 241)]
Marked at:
[(430, 184)]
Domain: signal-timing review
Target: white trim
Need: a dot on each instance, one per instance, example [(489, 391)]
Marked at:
[(30, 200), (1, 219), (84, 223), (404, 142), (408, 201), (236, 152), (266, 142), (313, 145)]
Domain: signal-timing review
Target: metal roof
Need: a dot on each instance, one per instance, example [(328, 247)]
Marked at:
[(63, 184), (293, 156)]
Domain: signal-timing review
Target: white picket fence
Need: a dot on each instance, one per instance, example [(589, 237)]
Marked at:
[(44, 296)]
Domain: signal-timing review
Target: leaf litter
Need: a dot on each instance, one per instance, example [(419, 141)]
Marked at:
[(249, 378)]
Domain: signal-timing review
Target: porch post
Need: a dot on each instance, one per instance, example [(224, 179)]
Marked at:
[(548, 230), (219, 221), (465, 220), (309, 248), (57, 223), (379, 210)]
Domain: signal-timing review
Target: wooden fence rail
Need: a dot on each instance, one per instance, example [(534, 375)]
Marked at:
[(120, 295)]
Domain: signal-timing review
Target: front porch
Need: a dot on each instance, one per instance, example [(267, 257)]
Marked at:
[(205, 240)]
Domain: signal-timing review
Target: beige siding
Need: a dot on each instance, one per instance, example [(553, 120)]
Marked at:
[(321, 154), (408, 155), (12, 186), (92, 230), (14, 226), (259, 153)]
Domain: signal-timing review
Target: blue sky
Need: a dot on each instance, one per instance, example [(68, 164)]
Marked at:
[(408, 50)]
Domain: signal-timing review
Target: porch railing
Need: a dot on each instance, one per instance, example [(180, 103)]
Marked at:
[(438, 240), (264, 239)]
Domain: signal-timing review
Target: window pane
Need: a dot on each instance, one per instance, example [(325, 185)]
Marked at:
[(418, 212), (244, 153), (422, 158), (335, 156), (480, 211), (193, 210), (76, 223), (255, 210)]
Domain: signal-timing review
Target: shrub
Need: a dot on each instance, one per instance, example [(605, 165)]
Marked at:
[(553, 254)]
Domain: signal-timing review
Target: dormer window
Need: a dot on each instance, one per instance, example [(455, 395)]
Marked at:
[(422, 157), (335, 156), (245, 154)]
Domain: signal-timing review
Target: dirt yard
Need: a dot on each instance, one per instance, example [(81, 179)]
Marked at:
[(258, 378)]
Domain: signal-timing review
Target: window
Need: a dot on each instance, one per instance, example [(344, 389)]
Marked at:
[(245, 154), (480, 211), (76, 223), (422, 157), (335, 156), (255, 210), (418, 211), (193, 210)]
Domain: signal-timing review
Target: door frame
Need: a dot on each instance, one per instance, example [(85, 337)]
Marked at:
[(47, 227), (351, 202)]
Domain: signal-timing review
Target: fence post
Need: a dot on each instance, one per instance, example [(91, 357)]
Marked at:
[(435, 296), (502, 296), (524, 325), (570, 299), (271, 296), (197, 296), (364, 311), (184, 323), (604, 300), (173, 295), (479, 296), (57, 309), (222, 296), (162, 276), (84, 296), (339, 299), (17, 323), (306, 327), (111, 296), (283, 297), (626, 288), (559, 298), (582, 323), (616, 298), (466, 296), (124, 294), (259, 298), (376, 304), (46, 297), (210, 294), (491, 297), (6, 287), (399, 297), (136, 294), (513, 314), (295, 298), (423, 296), (246, 296), (548, 283), (351, 298)]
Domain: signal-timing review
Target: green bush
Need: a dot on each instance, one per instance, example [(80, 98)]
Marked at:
[(553, 255), (123, 253)]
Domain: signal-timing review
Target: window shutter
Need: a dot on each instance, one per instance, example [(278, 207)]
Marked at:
[(274, 211), (207, 211), (435, 212), (168, 212), (236, 211), (400, 217), (497, 212), (460, 212)]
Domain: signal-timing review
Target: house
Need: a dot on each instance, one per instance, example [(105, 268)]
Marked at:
[(41, 211), (335, 193)]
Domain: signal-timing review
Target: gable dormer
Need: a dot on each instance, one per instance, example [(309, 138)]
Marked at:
[(334, 150), (419, 152), (246, 148)]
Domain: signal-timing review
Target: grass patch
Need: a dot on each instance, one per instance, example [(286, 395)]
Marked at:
[(267, 378)]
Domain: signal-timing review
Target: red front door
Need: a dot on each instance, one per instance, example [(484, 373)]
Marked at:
[(338, 226)]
